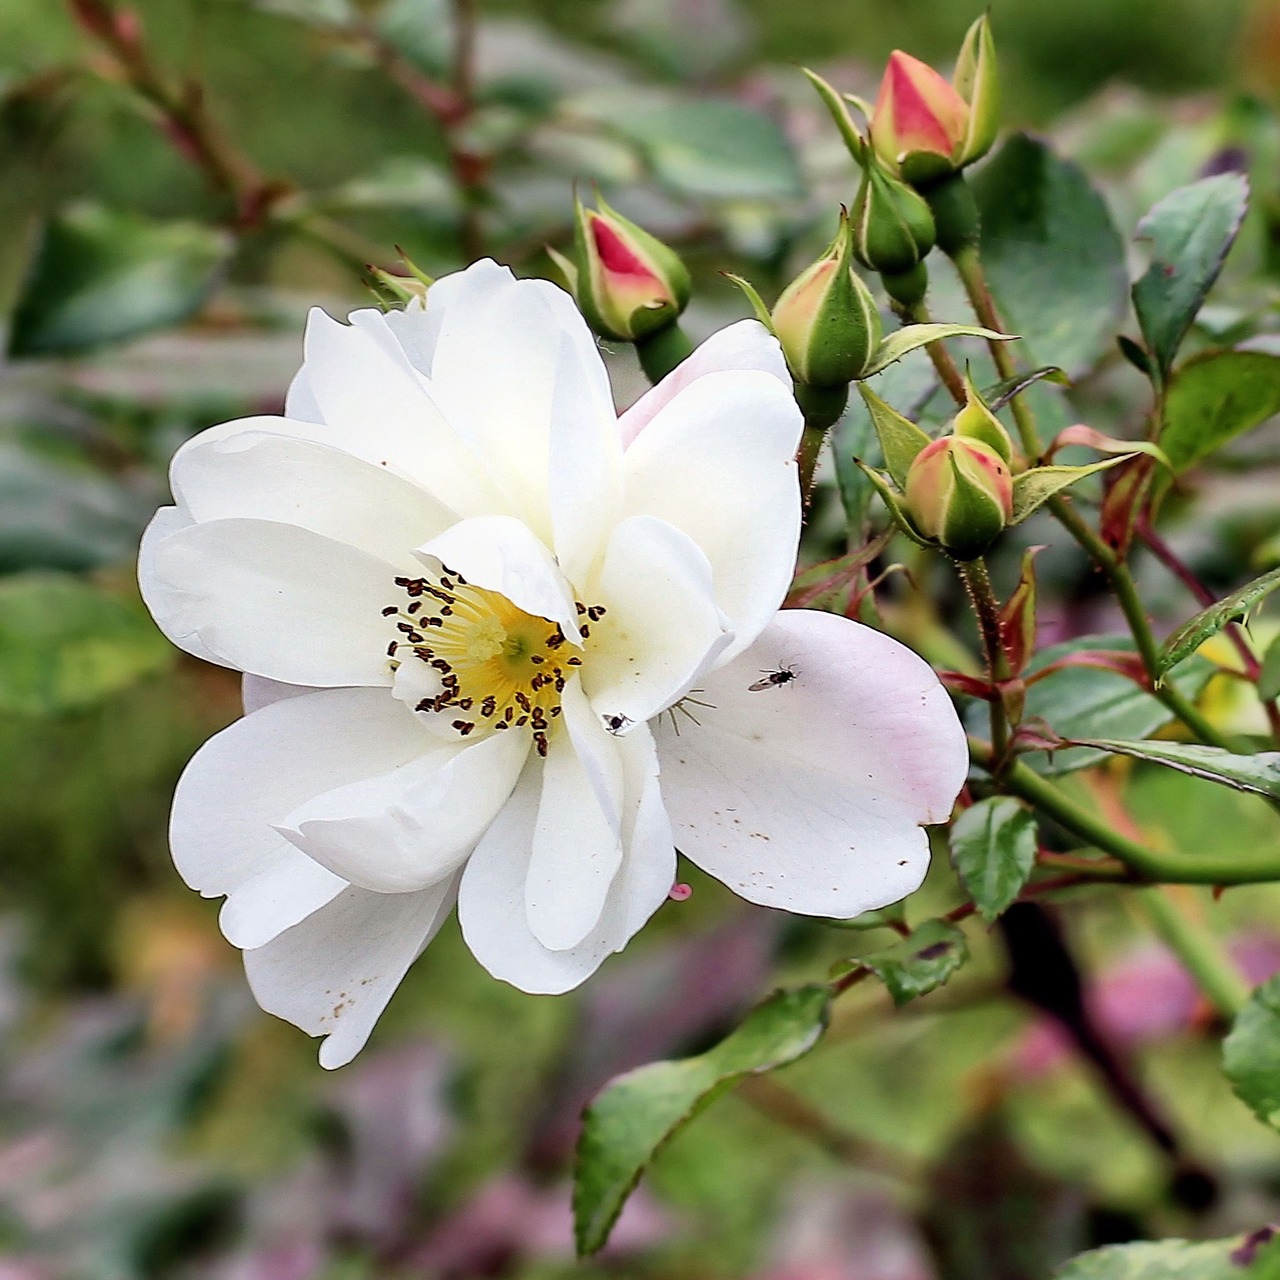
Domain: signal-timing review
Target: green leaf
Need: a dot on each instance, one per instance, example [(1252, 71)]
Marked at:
[(902, 342), (315, 13), (1259, 773), (1032, 489), (1251, 1053), (65, 645), (1085, 702), (1214, 397), (900, 439), (637, 1113), (1191, 230), (1176, 1260), (918, 964), (422, 30), (102, 277), (1269, 677), (1191, 635), (712, 150), (993, 846), (999, 394), (1134, 354), (910, 384), (1053, 258)]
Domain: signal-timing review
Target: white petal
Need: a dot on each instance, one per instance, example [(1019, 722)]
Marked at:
[(745, 345), (264, 476), (662, 627), (257, 692), (256, 771), (810, 795), (377, 406), (417, 327), (501, 353), (409, 828), (586, 470), (718, 462), (577, 838), (276, 600), (163, 600), (491, 902), (502, 555), (333, 974)]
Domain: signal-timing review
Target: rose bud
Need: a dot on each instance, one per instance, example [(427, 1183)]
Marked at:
[(892, 231), (627, 283), (924, 127), (826, 318), (959, 492)]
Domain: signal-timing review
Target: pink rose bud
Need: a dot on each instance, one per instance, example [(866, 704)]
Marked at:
[(959, 492), (826, 318), (924, 127), (627, 283)]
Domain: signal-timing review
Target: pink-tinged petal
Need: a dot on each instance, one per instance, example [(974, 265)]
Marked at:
[(500, 554), (264, 476), (718, 462), (253, 773), (577, 838), (491, 902), (411, 827), (274, 599), (505, 360), (333, 974), (809, 794), (916, 110), (744, 345), (662, 627), (380, 408)]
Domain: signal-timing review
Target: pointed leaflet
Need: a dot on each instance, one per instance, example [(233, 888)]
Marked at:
[(1259, 773), (1032, 489), (1269, 677), (1001, 393), (1251, 1053), (1215, 397), (1240, 1258), (900, 439), (1191, 231), (993, 847), (903, 341), (1191, 635), (918, 964), (637, 1113)]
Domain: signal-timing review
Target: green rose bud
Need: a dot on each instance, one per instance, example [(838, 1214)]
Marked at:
[(893, 228), (959, 493), (826, 318)]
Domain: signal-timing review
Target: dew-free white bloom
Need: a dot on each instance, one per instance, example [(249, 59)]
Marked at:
[(464, 594)]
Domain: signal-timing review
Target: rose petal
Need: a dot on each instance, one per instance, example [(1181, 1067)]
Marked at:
[(333, 974), (491, 902), (810, 794), (256, 771), (409, 828), (718, 462), (577, 838), (662, 627), (745, 345), (274, 599)]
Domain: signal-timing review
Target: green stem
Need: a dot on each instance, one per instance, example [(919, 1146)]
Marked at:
[(1019, 779), (986, 609), (822, 407), (660, 352), (943, 364), (1199, 950), (969, 266)]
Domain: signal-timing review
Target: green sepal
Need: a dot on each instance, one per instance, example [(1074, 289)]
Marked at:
[(977, 422), (978, 84), (893, 500), (1032, 489), (900, 439), (906, 340), (974, 519), (753, 297), (835, 104)]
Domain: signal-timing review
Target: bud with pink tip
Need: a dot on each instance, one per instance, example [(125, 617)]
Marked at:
[(959, 493)]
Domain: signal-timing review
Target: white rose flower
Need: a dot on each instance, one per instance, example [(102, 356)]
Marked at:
[(505, 648)]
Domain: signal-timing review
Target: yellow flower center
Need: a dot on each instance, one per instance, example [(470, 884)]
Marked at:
[(499, 667)]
